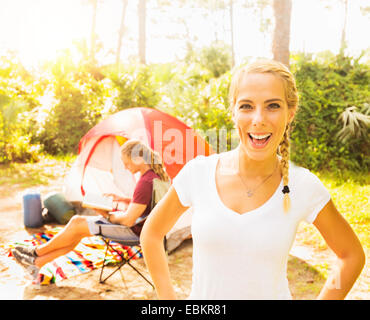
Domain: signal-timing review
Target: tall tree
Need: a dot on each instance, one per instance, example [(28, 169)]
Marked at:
[(281, 35), (329, 4), (343, 41), (232, 33), (120, 33), (142, 30), (216, 13), (93, 32)]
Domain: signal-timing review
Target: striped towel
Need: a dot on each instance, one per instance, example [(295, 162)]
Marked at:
[(87, 255)]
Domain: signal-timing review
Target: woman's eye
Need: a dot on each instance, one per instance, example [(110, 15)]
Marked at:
[(245, 106), (273, 106)]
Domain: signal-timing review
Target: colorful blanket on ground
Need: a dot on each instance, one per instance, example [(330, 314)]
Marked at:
[(88, 255)]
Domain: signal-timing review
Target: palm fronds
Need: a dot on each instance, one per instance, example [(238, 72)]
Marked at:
[(355, 123)]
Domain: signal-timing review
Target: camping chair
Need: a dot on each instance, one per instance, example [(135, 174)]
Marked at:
[(159, 190)]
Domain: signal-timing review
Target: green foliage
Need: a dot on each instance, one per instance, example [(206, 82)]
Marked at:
[(214, 120), (216, 58), (18, 96), (327, 87), (355, 123), (78, 92), (190, 93), (180, 89), (51, 111), (135, 87)]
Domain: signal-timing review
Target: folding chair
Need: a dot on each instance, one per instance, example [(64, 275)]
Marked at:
[(159, 190)]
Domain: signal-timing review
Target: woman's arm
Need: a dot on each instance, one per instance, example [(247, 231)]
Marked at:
[(159, 223), (340, 237), (127, 218), (119, 203), (116, 197)]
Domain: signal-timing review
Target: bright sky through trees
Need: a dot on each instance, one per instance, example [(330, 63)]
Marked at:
[(37, 29)]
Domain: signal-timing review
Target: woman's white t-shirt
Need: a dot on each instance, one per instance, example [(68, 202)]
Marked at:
[(244, 256)]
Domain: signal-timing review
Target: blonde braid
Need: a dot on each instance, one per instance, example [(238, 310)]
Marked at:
[(157, 166), (284, 166)]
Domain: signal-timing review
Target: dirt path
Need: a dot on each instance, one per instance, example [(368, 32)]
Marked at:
[(305, 281)]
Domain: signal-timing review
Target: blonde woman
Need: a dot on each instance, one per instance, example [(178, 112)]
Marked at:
[(136, 157), (247, 204)]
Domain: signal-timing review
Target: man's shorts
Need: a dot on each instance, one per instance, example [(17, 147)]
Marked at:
[(101, 226)]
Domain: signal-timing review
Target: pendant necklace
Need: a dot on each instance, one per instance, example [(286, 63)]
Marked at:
[(250, 192)]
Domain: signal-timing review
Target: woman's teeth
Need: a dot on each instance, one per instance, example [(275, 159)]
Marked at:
[(260, 137), (259, 140)]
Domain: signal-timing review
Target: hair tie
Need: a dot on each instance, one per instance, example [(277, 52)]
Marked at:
[(286, 189)]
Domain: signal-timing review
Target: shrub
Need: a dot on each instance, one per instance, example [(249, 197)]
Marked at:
[(78, 96), (327, 88), (135, 87), (18, 95), (56, 108), (216, 58)]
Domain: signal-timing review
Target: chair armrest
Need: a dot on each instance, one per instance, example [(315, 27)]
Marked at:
[(140, 220)]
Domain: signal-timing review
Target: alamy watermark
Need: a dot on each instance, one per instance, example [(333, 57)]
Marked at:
[(176, 146)]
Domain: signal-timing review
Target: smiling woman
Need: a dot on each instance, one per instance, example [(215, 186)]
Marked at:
[(264, 121), (244, 223), (261, 121)]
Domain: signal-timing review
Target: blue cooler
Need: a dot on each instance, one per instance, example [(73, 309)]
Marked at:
[(32, 210)]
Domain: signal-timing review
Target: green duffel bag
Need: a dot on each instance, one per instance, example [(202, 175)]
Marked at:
[(59, 208)]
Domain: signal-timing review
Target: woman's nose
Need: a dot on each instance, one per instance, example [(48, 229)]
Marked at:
[(258, 117)]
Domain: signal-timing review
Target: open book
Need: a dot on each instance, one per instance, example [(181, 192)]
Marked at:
[(96, 201)]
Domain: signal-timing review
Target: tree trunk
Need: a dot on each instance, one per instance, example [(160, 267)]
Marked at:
[(281, 37), (232, 33), (93, 34), (142, 31), (343, 42), (120, 34)]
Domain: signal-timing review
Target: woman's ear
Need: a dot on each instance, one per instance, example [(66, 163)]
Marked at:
[(233, 114), (291, 114), (137, 160)]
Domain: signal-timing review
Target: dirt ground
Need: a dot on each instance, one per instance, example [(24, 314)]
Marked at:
[(305, 280)]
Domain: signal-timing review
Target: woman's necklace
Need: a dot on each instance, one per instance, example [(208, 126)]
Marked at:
[(250, 192)]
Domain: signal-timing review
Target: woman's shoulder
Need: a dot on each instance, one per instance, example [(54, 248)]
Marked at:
[(198, 164), (148, 176), (296, 169), (195, 169), (308, 192), (301, 175), (203, 160)]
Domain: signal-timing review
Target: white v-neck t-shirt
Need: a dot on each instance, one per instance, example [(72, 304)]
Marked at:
[(244, 256)]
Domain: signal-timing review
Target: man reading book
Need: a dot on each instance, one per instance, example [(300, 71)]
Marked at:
[(136, 157)]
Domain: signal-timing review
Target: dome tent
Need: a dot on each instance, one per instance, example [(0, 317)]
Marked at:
[(98, 168)]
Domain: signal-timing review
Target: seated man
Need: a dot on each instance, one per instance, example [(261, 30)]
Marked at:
[(136, 157)]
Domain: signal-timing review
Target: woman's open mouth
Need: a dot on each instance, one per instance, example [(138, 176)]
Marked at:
[(259, 141)]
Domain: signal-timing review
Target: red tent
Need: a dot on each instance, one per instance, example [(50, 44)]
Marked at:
[(98, 167)]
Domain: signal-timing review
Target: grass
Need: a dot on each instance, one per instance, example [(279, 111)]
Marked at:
[(27, 175), (350, 193), (305, 281), (351, 197)]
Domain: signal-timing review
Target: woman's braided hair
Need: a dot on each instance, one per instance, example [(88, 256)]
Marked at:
[(136, 148), (291, 95)]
